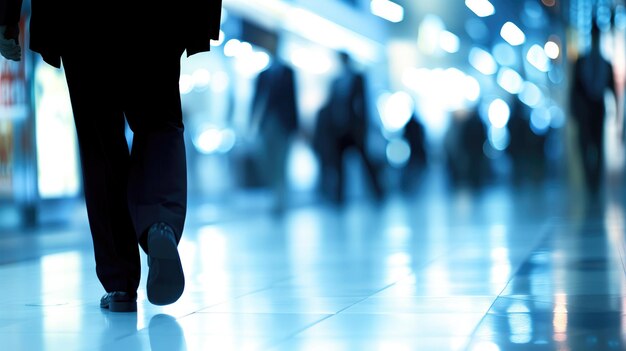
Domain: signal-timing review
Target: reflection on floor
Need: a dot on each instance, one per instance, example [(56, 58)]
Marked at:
[(502, 269)]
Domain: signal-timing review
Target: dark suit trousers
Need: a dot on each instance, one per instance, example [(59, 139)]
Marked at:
[(128, 190)]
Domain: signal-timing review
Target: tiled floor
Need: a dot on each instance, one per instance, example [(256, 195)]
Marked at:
[(502, 269)]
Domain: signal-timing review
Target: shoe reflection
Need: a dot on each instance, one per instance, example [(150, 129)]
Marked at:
[(166, 334), (120, 328)]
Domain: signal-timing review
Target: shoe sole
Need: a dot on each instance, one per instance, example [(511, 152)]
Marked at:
[(166, 280), (122, 306)]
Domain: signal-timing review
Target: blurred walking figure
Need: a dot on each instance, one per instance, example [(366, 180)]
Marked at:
[(464, 143), (526, 148), (348, 123), (592, 77), (415, 135), (119, 66), (275, 122)]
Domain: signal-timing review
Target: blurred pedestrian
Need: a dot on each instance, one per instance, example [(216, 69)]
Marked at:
[(323, 146), (415, 136), (349, 128), (592, 78), (467, 163), (526, 147), (122, 61), (275, 122)]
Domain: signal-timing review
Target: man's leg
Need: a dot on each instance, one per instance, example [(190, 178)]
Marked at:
[(105, 161), (158, 172), (157, 185)]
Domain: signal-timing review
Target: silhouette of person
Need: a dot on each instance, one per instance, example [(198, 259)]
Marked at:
[(349, 127), (415, 136), (592, 77), (123, 62), (525, 148), (322, 144), (275, 121), (465, 139)]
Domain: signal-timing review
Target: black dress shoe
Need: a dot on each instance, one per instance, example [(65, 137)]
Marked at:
[(166, 280), (119, 301)]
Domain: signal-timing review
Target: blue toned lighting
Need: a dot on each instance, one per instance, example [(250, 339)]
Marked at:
[(540, 120), (482, 8), (398, 152), (557, 117), (482, 61), (512, 34), (388, 10), (504, 54), (449, 42), (510, 80), (499, 138), (531, 95), (536, 56)]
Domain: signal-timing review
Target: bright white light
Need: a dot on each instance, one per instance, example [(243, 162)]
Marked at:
[(510, 80), (552, 49), (396, 110), (250, 64), (531, 95), (482, 61), (512, 34), (303, 170), (447, 90), (472, 88), (220, 81), (485, 346), (482, 8), (388, 10), (219, 41), (310, 60), (536, 56), (209, 141), (429, 32), (213, 139), (398, 152), (201, 78), (499, 113), (320, 30), (232, 47), (185, 84), (227, 140), (449, 42)]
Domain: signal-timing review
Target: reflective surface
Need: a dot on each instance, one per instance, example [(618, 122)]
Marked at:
[(532, 268)]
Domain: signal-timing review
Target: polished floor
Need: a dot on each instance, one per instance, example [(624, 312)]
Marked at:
[(504, 268)]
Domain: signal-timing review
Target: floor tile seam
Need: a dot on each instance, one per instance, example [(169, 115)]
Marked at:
[(269, 287), (292, 335), (546, 226)]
